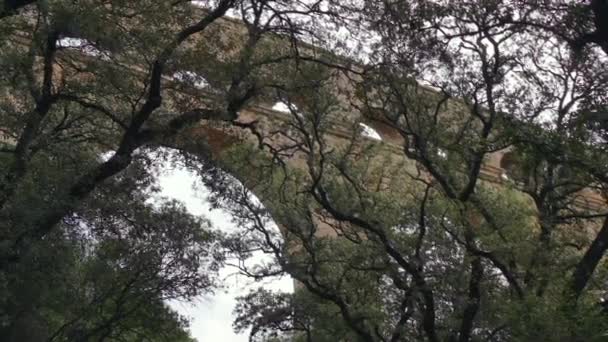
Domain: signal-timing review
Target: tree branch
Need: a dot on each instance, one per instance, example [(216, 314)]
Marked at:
[(585, 267)]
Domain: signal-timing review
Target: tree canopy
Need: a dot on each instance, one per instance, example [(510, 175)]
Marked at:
[(417, 241), (410, 238), (90, 91)]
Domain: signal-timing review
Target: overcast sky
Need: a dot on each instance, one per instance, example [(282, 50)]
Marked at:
[(211, 314)]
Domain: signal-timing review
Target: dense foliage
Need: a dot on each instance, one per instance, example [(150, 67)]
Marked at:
[(106, 272), (413, 238), (89, 91)]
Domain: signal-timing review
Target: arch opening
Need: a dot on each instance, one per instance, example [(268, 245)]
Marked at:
[(182, 178)]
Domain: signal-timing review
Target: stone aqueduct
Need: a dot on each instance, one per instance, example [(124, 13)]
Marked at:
[(495, 170), (219, 139)]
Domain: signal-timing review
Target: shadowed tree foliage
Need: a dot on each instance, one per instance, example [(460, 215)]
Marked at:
[(106, 273), (415, 239), (411, 239), (89, 91)]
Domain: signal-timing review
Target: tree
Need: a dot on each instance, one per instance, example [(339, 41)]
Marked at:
[(94, 75), (108, 270), (418, 242), (409, 241), (90, 88)]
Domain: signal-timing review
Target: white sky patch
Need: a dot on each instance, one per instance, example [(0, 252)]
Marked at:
[(106, 155), (369, 132), (442, 153), (281, 107), (427, 84), (84, 46), (211, 315), (192, 78), (208, 4)]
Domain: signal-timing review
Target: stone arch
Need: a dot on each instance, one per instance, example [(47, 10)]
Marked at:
[(387, 133), (510, 165)]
